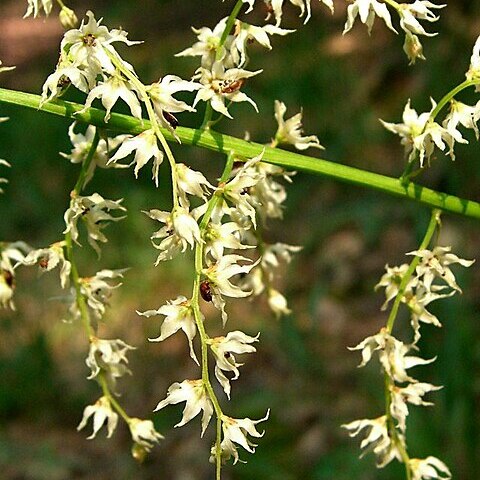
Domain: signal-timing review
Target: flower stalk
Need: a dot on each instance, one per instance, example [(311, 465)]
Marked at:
[(199, 322), (224, 144)]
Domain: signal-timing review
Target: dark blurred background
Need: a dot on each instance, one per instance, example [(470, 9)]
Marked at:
[(302, 369)]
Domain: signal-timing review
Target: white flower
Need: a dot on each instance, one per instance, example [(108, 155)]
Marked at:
[(376, 439), (196, 399), (161, 93), (429, 468), (49, 258), (110, 91), (207, 45), (218, 277), (462, 114), (436, 264), (108, 357), (367, 9), (410, 12), (290, 131), (391, 281), (417, 304), (219, 85), (82, 144), (223, 349), (277, 303), (420, 134), (190, 182), (275, 6), (94, 211), (65, 74), (237, 189), (274, 254), (220, 236), (144, 433), (235, 431), (413, 394), (34, 6), (473, 73), (392, 355), (101, 411), (246, 34), (180, 231), (146, 147), (268, 195), (98, 290), (89, 46), (178, 315)]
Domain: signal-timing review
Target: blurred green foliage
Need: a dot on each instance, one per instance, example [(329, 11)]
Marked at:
[(302, 370)]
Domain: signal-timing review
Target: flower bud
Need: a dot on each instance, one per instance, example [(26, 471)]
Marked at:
[(68, 18)]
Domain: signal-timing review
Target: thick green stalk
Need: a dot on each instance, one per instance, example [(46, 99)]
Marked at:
[(224, 143)]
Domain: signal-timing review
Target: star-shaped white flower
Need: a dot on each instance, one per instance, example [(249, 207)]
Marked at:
[(101, 411), (367, 10), (429, 468), (49, 258), (223, 348), (290, 130), (178, 315), (146, 146), (143, 433), (196, 399), (34, 7), (94, 211), (245, 34), (377, 439), (181, 231), (236, 431), (400, 398), (110, 91), (410, 13), (220, 85)]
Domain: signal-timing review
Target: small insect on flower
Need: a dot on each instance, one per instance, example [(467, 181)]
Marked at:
[(205, 291), (232, 86), (10, 279), (89, 40), (171, 119), (43, 263)]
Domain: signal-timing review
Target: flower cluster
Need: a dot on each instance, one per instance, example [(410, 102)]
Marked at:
[(410, 15), (90, 61), (275, 7), (221, 74), (223, 225), (431, 280)]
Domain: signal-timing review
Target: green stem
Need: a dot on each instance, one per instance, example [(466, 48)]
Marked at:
[(113, 401), (86, 165), (434, 221), (389, 383), (76, 280), (198, 316), (449, 96), (75, 277), (223, 143)]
